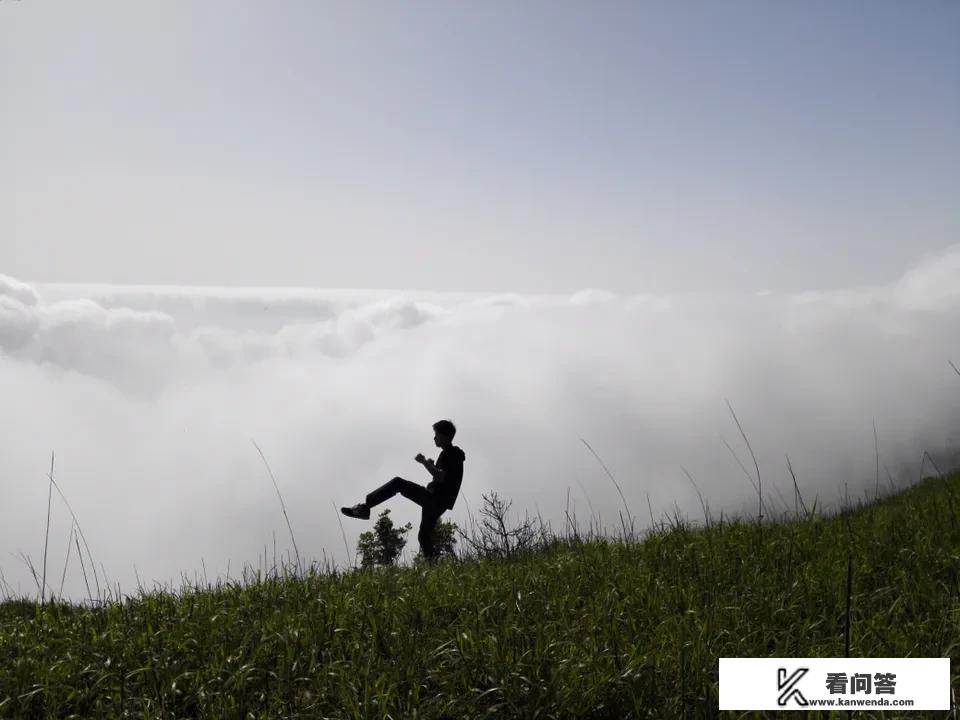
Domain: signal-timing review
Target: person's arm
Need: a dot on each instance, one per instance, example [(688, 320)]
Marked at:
[(431, 467)]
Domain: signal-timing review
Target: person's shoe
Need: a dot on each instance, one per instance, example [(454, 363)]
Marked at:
[(360, 511)]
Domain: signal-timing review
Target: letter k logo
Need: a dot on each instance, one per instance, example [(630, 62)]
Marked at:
[(787, 686)]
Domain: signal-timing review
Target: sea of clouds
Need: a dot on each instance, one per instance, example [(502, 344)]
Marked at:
[(150, 398)]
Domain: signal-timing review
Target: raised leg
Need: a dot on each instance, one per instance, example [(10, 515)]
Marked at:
[(419, 494)]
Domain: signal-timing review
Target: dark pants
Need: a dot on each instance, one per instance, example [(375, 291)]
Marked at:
[(432, 509)]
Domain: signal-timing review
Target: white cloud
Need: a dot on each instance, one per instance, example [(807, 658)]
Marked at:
[(18, 320), (127, 347), (21, 292), (590, 297), (18, 323), (151, 396), (931, 284)]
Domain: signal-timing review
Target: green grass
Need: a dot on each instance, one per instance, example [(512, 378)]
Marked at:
[(579, 629)]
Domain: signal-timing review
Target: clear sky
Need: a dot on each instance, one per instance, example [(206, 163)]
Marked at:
[(501, 146)]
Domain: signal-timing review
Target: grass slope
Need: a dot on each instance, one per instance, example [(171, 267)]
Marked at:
[(581, 629)]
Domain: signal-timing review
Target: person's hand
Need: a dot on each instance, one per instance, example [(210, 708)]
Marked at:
[(420, 458)]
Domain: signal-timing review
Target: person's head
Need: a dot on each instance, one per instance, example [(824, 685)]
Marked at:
[(443, 432)]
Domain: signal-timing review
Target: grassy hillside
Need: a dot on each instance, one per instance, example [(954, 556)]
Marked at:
[(584, 629)]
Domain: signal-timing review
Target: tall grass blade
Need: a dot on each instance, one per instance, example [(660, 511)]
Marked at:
[(83, 537), (846, 623), (876, 448), (796, 487), (743, 467), (66, 561), (755, 464), (83, 569), (343, 533), (46, 539), (703, 505), (282, 505), (610, 475)]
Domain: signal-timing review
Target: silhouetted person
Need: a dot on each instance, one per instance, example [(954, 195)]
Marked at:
[(437, 497)]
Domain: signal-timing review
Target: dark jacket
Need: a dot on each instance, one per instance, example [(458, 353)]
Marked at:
[(448, 489)]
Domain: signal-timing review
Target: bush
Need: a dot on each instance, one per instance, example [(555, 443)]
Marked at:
[(444, 540), (496, 536), (383, 545)]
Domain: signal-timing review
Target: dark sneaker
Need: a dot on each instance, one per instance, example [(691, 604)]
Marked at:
[(360, 511)]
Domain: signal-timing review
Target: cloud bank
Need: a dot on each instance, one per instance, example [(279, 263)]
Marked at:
[(150, 397)]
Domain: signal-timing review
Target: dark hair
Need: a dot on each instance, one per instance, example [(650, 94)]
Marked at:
[(445, 427)]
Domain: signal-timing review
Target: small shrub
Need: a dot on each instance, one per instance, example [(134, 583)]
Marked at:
[(496, 536), (382, 545)]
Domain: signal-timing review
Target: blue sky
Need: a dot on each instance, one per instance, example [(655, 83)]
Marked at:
[(531, 147)]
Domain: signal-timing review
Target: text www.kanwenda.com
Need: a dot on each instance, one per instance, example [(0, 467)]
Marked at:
[(859, 702)]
